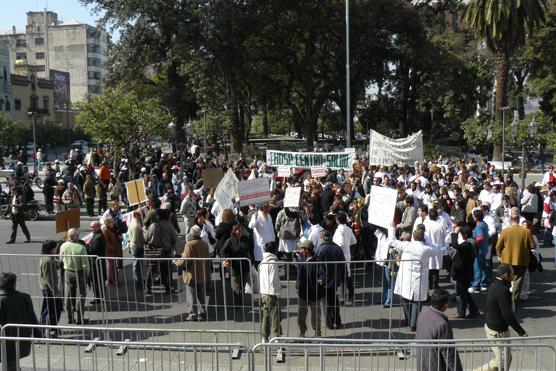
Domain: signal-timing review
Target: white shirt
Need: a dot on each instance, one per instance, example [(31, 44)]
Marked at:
[(485, 196), (344, 238), (381, 253), (491, 224), (269, 278), (263, 232), (495, 200), (314, 234)]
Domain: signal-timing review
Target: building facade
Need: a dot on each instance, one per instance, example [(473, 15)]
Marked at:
[(31, 96), (71, 46), (5, 79)]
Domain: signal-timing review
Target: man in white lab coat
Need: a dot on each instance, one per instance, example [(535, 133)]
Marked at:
[(345, 238)]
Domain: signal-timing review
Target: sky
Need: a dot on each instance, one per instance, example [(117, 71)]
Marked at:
[(14, 12)]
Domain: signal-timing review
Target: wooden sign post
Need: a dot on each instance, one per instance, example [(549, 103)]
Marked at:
[(68, 219)]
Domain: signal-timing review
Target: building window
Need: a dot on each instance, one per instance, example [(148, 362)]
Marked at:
[(39, 40), (34, 103), (20, 43), (39, 55), (17, 104), (45, 102), (20, 56), (7, 104), (40, 68), (5, 73)]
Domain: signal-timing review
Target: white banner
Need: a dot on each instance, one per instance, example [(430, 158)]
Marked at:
[(318, 172), (284, 172), (382, 206), (254, 191), (292, 196), (387, 151), (307, 160)]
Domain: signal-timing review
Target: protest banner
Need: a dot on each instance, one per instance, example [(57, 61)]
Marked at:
[(166, 148), (382, 206), (254, 191), (307, 160), (318, 172), (284, 171), (387, 151), (136, 192), (211, 177), (68, 219), (292, 197)]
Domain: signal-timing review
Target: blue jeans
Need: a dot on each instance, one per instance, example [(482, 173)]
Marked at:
[(137, 265), (479, 272), (386, 286), (411, 311)]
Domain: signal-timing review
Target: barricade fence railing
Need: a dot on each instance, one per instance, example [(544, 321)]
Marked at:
[(355, 300), (520, 354), (22, 353)]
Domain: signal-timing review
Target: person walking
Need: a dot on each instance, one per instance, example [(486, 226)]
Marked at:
[(196, 263), (53, 303), (269, 286), (513, 247), (413, 275), (433, 324), (461, 270), (18, 215), (499, 317), (15, 307), (76, 268), (310, 288), (89, 193), (481, 235)]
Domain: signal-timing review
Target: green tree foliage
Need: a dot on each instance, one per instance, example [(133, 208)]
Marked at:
[(503, 25), (11, 131), (123, 121)]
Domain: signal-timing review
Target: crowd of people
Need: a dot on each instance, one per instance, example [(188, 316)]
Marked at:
[(451, 216)]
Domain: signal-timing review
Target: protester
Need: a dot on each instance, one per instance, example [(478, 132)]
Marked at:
[(238, 248), (77, 268), (136, 247), (97, 248), (18, 204), (499, 317), (196, 276), (15, 307), (53, 302), (269, 287), (433, 324)]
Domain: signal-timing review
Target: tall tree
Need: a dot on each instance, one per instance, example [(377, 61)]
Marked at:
[(503, 25)]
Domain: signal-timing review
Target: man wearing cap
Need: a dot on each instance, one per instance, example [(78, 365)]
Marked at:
[(334, 277), (310, 287), (196, 264), (513, 246)]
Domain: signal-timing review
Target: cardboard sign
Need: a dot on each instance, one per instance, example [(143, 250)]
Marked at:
[(382, 206), (255, 191), (292, 197), (68, 219), (318, 172), (284, 172), (166, 148), (211, 177), (136, 192)]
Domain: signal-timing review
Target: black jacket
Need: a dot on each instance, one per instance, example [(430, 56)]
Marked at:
[(97, 245), (498, 314), (238, 248), (17, 307), (462, 263), (330, 252), (222, 233), (308, 277)]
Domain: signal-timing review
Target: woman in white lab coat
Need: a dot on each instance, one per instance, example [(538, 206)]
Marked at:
[(413, 275)]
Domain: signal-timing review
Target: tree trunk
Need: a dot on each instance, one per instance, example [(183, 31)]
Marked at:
[(502, 69), (404, 99), (519, 82), (266, 129), (178, 109)]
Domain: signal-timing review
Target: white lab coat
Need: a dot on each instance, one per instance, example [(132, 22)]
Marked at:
[(412, 281), (263, 232), (381, 253), (314, 235), (344, 238), (435, 237)]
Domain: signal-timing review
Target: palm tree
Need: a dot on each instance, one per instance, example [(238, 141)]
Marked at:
[(503, 25)]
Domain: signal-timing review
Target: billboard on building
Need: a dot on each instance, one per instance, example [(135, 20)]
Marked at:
[(61, 81)]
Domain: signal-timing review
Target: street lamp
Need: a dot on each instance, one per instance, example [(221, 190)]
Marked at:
[(172, 127), (348, 87), (34, 114)]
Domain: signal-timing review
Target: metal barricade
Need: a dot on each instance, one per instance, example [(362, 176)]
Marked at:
[(535, 353), (75, 288), (72, 354), (158, 297), (354, 301)]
